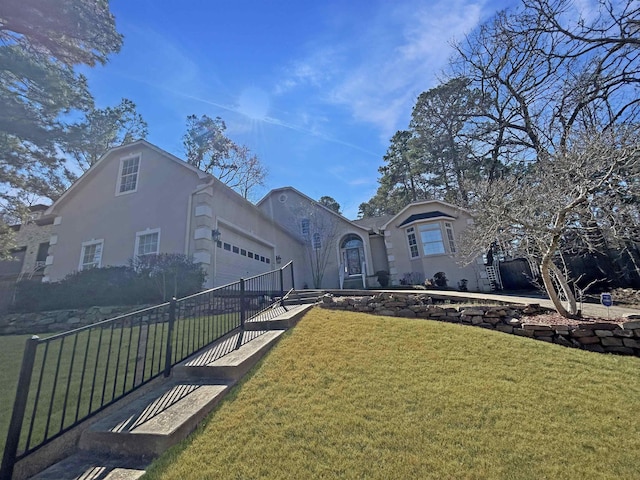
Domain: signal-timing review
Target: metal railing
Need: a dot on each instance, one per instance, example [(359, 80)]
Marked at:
[(66, 378)]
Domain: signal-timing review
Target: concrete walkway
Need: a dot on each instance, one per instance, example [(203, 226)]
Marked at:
[(588, 309)]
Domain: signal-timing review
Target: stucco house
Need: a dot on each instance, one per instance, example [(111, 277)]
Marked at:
[(340, 253), (139, 199), (422, 241), (412, 246)]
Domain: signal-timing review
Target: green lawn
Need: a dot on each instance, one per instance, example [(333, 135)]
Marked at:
[(348, 395), (11, 348)]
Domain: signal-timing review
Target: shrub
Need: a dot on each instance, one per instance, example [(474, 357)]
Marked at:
[(440, 279), (150, 281), (383, 278), (411, 278), (172, 274)]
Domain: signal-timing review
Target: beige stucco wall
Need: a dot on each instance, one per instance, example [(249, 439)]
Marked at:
[(93, 211), (184, 204), (288, 207), (217, 207), (401, 263), (379, 254)]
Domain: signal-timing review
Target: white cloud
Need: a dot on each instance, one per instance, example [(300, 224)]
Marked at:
[(362, 181), (377, 75), (316, 70), (155, 60)]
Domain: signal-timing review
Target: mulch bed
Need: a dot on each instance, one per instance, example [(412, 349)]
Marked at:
[(557, 319)]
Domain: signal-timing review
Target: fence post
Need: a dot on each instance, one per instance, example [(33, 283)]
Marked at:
[(293, 284), (169, 351), (282, 287), (243, 308), (19, 408)]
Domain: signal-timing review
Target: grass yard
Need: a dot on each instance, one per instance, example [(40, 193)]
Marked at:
[(11, 348), (348, 395)]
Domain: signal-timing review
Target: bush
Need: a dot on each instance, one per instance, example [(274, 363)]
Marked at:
[(150, 281), (383, 278), (411, 278), (173, 275), (440, 280)]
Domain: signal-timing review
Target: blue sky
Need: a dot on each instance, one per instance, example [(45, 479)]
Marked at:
[(316, 89)]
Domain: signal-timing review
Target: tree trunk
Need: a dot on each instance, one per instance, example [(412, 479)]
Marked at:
[(546, 269), (564, 284)]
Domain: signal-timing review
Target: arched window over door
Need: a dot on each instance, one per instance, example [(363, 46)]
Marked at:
[(352, 249)]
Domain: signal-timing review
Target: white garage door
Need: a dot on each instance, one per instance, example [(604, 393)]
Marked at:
[(239, 256)]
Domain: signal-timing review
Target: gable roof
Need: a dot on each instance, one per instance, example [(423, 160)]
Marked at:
[(425, 203), (311, 200), (129, 146), (374, 224)]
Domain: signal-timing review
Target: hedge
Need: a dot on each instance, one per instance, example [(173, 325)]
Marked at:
[(154, 280)]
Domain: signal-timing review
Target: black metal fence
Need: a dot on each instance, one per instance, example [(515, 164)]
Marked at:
[(67, 378)]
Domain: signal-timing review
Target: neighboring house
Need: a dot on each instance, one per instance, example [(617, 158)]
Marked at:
[(32, 244), (29, 255), (139, 200)]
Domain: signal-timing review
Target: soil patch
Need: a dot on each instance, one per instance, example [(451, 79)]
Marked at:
[(554, 318)]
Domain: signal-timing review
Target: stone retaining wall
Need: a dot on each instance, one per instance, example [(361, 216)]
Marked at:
[(59, 320), (597, 337)]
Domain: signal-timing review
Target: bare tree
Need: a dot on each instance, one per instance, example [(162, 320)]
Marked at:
[(209, 149), (542, 214), (244, 171), (318, 228), (561, 109)]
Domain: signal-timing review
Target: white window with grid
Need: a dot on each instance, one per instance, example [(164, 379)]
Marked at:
[(431, 239), (317, 241), (413, 243), (450, 237), (304, 226), (91, 254), (128, 179), (147, 242)]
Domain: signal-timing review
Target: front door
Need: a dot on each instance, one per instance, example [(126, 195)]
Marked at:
[(353, 261)]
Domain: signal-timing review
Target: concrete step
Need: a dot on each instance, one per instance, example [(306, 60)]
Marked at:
[(230, 358), (301, 300), (279, 318), (301, 297), (93, 466), (119, 446), (151, 424)]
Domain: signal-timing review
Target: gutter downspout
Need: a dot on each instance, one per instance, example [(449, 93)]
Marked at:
[(187, 235)]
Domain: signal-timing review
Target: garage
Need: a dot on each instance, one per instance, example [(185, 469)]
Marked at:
[(239, 255)]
